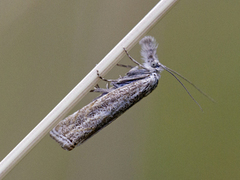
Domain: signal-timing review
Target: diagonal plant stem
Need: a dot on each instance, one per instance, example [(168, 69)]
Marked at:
[(110, 60)]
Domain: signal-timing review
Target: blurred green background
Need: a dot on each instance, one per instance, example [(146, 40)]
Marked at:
[(47, 47)]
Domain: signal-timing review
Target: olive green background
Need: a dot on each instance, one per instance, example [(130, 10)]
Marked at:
[(47, 47)]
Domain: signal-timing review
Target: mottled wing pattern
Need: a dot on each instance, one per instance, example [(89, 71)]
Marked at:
[(78, 127)]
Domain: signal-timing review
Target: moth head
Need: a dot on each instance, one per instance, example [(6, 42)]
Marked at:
[(154, 63), (154, 66)]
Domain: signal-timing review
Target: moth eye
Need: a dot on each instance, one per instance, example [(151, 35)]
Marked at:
[(154, 64)]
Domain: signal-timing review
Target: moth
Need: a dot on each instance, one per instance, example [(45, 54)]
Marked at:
[(124, 92)]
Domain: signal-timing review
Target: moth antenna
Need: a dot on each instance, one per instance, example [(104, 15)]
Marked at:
[(211, 99), (164, 67)]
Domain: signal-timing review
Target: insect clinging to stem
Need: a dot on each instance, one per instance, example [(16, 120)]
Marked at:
[(125, 91)]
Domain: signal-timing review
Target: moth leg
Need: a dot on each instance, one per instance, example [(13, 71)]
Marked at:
[(101, 90), (97, 89), (107, 85), (133, 60), (126, 66), (102, 78), (112, 81)]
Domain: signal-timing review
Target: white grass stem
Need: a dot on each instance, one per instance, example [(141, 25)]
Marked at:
[(110, 60)]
